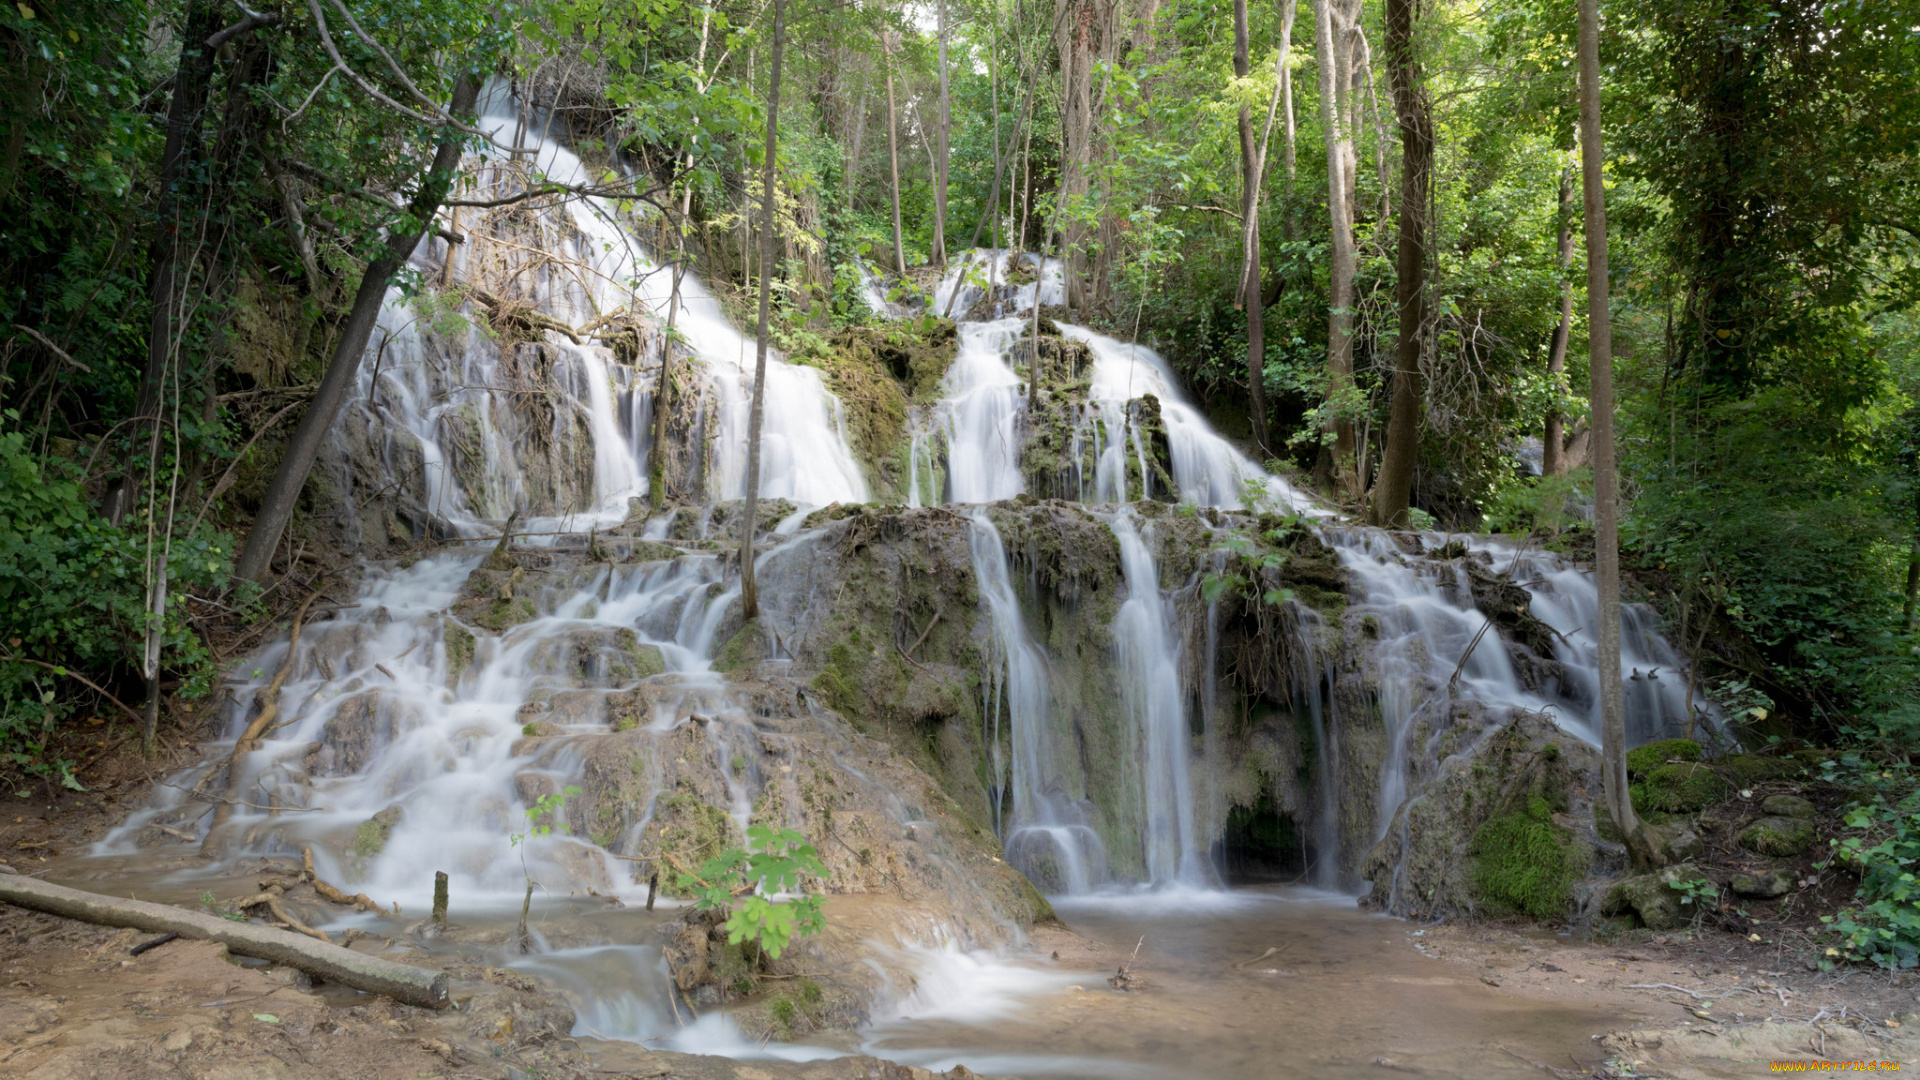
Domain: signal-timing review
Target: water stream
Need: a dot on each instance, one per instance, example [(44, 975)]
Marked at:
[(400, 719)]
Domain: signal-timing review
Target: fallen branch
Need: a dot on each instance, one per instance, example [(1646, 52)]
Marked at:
[(402, 982), (358, 900), (269, 708), (84, 681)]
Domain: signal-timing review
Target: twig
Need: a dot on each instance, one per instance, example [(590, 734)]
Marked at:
[(218, 801), (83, 680), (923, 634), (1462, 665)]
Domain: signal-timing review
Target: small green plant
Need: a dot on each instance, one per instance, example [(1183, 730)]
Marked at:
[(1246, 570), (1883, 926), (744, 882), (1699, 892), (543, 817)]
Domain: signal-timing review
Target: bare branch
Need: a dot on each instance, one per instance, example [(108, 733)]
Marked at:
[(250, 20)]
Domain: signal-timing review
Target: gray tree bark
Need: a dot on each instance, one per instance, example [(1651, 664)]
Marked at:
[(1553, 453), (893, 158), (1394, 487), (1331, 43), (749, 594), (404, 983), (1606, 504), (284, 491)]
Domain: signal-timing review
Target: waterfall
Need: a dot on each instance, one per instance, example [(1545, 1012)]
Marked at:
[(1048, 838), (454, 416), (982, 404), (1148, 652)]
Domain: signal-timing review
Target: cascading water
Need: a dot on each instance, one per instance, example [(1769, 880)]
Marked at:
[(1048, 837), (1149, 651), (461, 408)]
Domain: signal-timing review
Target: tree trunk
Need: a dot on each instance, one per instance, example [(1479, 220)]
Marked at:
[(1341, 253), (749, 597), (1553, 452), (893, 159), (1606, 507), (1250, 291), (179, 172), (277, 507), (1286, 96), (663, 396), (403, 983), (1393, 489), (940, 162)]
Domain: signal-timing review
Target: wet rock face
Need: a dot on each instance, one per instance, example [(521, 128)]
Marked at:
[(1444, 852)]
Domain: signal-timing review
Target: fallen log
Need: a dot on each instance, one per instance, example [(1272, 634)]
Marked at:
[(402, 982)]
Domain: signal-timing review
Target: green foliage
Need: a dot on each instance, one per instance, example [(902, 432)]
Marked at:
[(73, 594), (1522, 861), (1539, 503), (773, 862), (543, 817), (1883, 849)]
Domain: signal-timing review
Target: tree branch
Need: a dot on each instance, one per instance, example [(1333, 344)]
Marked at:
[(251, 20)]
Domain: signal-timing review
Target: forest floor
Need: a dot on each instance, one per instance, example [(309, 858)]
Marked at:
[(1708, 1002)]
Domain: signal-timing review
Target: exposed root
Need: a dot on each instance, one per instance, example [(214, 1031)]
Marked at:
[(328, 892)]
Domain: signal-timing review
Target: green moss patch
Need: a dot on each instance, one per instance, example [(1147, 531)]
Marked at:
[(1523, 862), (1647, 758), (1679, 789)]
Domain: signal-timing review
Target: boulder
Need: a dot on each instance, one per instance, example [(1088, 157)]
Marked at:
[(1654, 898), (1787, 806), (1763, 886), (1750, 769), (370, 838), (1778, 837), (1677, 842), (1644, 759), (1679, 788)]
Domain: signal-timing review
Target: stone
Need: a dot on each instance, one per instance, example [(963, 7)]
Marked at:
[(1788, 806), (370, 838), (1654, 898), (1750, 769), (1766, 886), (1677, 841), (1778, 837), (1645, 759), (1680, 788)]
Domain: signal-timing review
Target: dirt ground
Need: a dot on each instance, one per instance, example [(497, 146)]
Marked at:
[(1707, 1003)]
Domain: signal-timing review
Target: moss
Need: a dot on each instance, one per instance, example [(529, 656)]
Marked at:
[(1747, 770), (652, 551), (839, 681), (1523, 862), (747, 647), (370, 838), (1779, 837), (1653, 755), (459, 651), (690, 830), (1679, 789)]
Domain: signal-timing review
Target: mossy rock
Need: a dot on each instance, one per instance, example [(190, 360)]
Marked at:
[(1779, 837), (370, 837), (1654, 897), (494, 614), (1645, 759), (1524, 862), (690, 830), (747, 647), (644, 551), (460, 645), (1679, 789), (1787, 806), (1747, 770)]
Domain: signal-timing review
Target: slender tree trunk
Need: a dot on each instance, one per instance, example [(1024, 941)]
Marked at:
[(1606, 506), (1287, 12), (1250, 291), (1553, 449), (749, 595), (1395, 485), (893, 159), (1911, 614), (663, 396), (1330, 44), (192, 78), (940, 164), (284, 491)]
